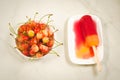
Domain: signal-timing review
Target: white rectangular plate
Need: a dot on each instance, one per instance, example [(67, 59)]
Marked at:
[(71, 41)]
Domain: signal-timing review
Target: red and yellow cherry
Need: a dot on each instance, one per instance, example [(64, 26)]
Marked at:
[(31, 33), (45, 40), (43, 48)]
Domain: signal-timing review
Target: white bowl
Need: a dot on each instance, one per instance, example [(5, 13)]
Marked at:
[(71, 41)]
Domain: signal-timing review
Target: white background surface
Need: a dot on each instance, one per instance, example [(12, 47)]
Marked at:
[(51, 67)]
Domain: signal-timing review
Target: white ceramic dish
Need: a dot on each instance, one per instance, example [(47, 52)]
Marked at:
[(71, 41)]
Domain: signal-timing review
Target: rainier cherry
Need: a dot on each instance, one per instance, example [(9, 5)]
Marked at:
[(43, 48), (33, 41), (31, 33), (45, 40), (39, 35), (35, 48)]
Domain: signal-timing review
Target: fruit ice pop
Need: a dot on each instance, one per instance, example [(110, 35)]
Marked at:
[(89, 31), (90, 35), (82, 51)]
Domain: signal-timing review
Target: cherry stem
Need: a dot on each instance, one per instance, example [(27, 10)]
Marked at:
[(49, 18), (49, 21), (57, 45), (49, 15), (29, 19), (52, 26), (54, 52), (12, 30), (56, 30), (58, 42), (35, 15), (12, 35)]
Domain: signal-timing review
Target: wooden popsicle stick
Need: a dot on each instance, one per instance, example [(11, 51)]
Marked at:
[(99, 66)]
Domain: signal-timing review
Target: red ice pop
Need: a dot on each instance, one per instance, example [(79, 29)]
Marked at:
[(82, 51), (89, 32)]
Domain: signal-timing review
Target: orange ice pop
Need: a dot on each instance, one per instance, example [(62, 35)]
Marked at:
[(89, 31)]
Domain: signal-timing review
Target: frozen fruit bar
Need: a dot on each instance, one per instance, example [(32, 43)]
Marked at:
[(89, 31)]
